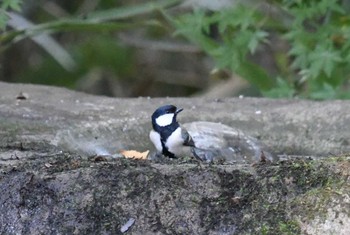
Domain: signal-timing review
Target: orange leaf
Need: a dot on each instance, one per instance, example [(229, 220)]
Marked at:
[(134, 154)]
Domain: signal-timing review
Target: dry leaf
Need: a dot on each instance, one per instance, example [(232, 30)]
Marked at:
[(134, 154)]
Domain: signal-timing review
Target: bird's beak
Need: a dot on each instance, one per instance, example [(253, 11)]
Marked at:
[(178, 111)]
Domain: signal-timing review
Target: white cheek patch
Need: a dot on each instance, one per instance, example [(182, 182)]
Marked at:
[(165, 119)]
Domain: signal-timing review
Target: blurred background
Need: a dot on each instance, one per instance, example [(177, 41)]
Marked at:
[(223, 48)]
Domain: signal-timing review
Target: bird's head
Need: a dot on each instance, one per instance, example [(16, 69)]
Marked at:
[(165, 116)]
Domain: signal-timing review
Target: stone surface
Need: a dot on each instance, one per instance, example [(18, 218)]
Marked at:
[(52, 182), (286, 126)]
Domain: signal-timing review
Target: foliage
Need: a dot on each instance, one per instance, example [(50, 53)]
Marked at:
[(105, 20), (6, 5), (88, 38), (315, 63), (96, 52), (307, 41)]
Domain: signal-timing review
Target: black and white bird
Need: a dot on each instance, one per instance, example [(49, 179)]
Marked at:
[(167, 135), (206, 141)]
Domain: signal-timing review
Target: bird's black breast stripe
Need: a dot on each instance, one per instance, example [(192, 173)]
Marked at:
[(166, 152), (165, 132)]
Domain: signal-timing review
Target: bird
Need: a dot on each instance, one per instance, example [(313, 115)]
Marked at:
[(207, 141), (168, 137)]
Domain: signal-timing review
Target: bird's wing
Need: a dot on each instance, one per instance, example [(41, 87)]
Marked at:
[(188, 141), (216, 141)]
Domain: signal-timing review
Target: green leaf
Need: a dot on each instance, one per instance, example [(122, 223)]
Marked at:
[(226, 56), (323, 59), (6, 5), (11, 4), (238, 16), (324, 92), (282, 90), (3, 19), (192, 25), (255, 75), (195, 27), (257, 37)]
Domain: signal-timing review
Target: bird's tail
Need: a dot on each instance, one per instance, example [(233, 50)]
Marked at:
[(202, 154)]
